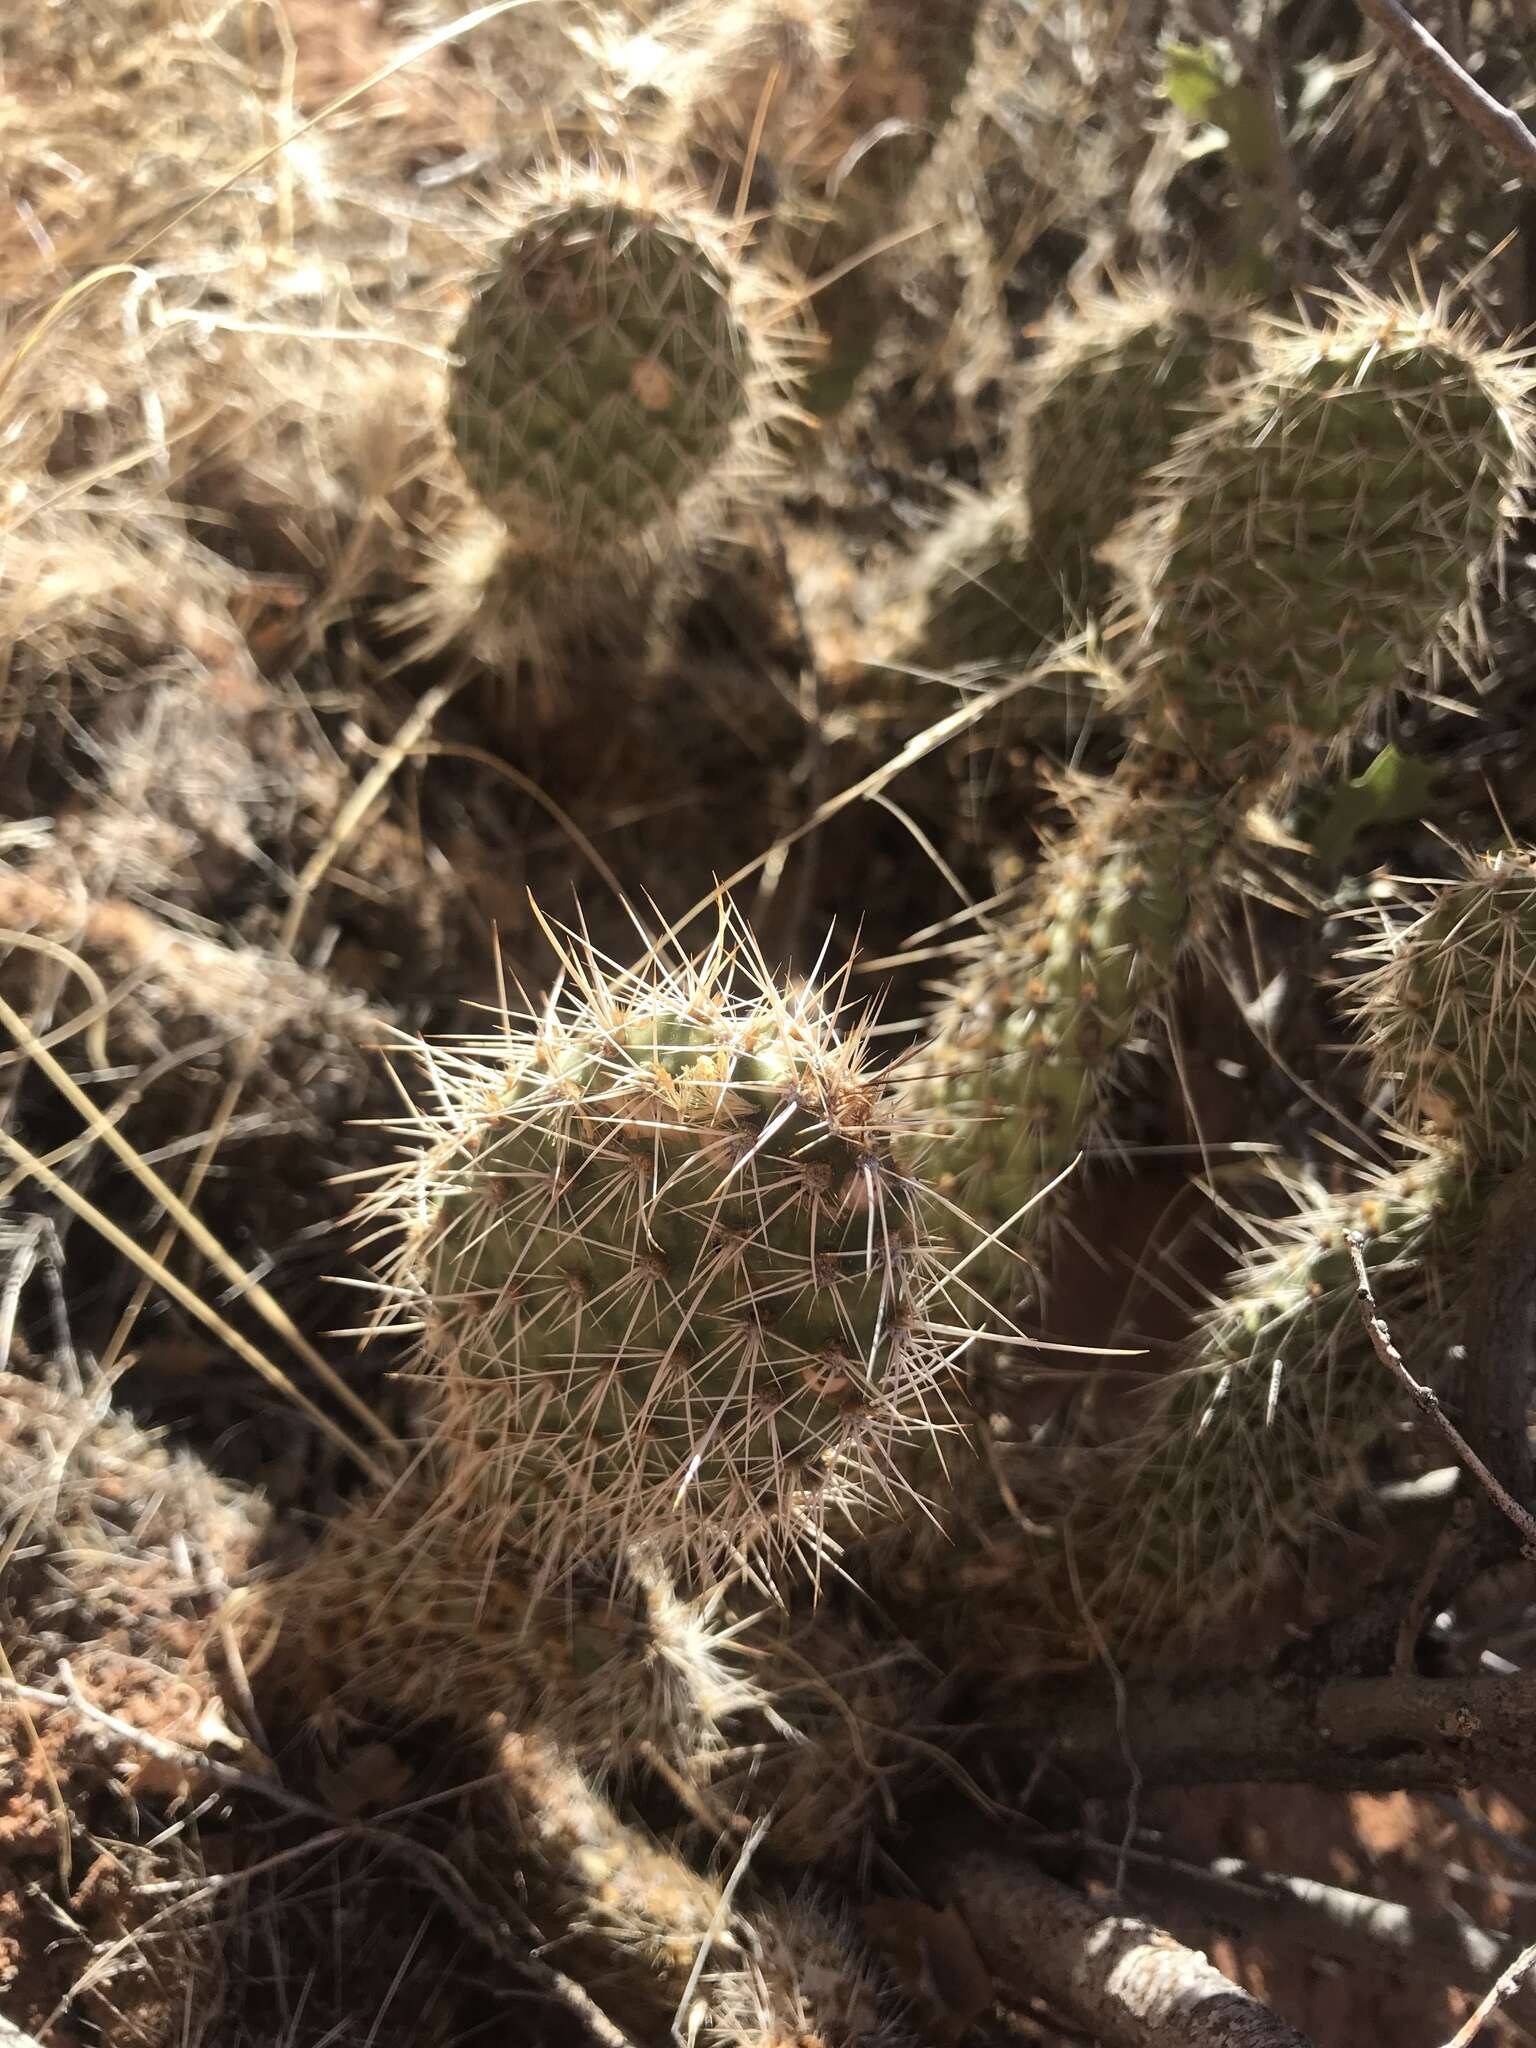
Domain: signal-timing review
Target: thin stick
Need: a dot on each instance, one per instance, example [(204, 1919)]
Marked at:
[(247, 1285), (348, 820), (1439, 70), (194, 1304), (1500, 1994), (1427, 1400), (1128, 1983), (1353, 1927)]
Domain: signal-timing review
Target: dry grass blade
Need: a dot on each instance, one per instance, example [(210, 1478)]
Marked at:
[(192, 1302), (348, 821), (460, 750), (916, 749), (272, 1311), (344, 827), (439, 1875)]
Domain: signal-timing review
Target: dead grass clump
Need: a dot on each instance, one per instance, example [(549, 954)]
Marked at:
[(166, 990), (166, 784), (238, 333), (118, 1554), (93, 594)]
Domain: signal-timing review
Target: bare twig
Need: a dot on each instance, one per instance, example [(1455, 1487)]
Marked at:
[(1127, 1981), (1372, 1933), (1497, 125), (1500, 1994), (1344, 1734), (1428, 1401)]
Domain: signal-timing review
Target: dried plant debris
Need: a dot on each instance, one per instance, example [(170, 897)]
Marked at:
[(119, 1552)]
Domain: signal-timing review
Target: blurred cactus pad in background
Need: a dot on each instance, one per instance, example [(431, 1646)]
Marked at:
[(767, 943)]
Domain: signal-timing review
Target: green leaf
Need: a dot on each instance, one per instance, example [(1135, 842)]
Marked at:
[(1392, 790), (1205, 83), (1195, 75)]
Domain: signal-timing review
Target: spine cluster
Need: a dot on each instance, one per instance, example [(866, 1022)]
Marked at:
[(672, 1287)]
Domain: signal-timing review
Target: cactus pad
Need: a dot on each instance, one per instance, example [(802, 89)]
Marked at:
[(1020, 1056), (1264, 1431), (390, 1609), (1117, 379), (671, 1286), (1143, 1546), (605, 366), (1318, 537), (1450, 1012)]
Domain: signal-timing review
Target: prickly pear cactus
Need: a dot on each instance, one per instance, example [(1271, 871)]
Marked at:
[(389, 1610), (979, 590), (1315, 536), (1019, 1063), (1117, 378), (1449, 1013), (1143, 1545), (756, 1969), (1318, 537), (672, 1287), (1264, 1429), (605, 366)]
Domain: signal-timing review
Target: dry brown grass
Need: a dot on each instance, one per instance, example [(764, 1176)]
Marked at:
[(243, 595)]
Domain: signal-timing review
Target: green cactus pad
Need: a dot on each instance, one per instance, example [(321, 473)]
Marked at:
[(1116, 380), (1450, 1012), (1019, 1060), (1140, 1547), (1318, 537), (982, 590), (1265, 1427), (391, 1607), (673, 1288), (605, 366)]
